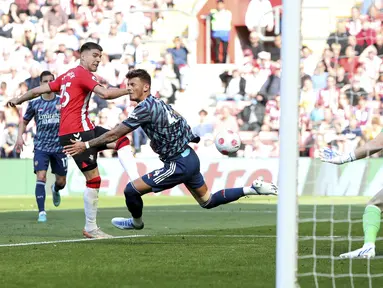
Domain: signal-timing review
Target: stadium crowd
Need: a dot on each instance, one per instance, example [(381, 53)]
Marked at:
[(341, 93)]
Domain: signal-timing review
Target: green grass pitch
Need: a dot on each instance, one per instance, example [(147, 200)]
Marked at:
[(182, 245)]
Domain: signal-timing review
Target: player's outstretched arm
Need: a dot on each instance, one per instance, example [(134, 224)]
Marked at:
[(20, 141), (108, 137), (371, 147), (109, 93), (33, 93)]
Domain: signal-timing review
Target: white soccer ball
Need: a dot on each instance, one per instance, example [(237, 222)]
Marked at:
[(227, 142)]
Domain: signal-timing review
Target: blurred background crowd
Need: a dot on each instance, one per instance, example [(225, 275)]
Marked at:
[(341, 92)]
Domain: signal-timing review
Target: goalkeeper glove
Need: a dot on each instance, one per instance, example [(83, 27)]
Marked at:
[(330, 156)]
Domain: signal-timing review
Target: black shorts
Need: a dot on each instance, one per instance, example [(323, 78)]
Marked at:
[(87, 160)]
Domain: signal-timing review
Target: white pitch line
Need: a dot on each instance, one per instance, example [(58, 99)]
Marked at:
[(159, 235), (69, 241)]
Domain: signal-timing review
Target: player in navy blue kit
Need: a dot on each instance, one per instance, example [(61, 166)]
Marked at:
[(47, 149), (170, 135)]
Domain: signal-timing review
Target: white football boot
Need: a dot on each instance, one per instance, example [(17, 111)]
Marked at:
[(264, 188), (367, 251), (96, 233)]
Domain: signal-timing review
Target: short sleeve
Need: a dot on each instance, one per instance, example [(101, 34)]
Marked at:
[(140, 115), (55, 85), (88, 81), (29, 113)]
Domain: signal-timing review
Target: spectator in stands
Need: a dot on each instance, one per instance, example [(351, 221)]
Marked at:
[(55, 17), (226, 121), (352, 135), (367, 35), (371, 63), (308, 60), (135, 49), (273, 113), (275, 50), (255, 45), (147, 63), (34, 13), (354, 26), (340, 36), (180, 56), (220, 27), (350, 63), (7, 149), (251, 117), (328, 97), (236, 87), (6, 27), (171, 78), (378, 89), (341, 79), (320, 76), (379, 44), (205, 126), (354, 44), (113, 44), (355, 91), (362, 112), (308, 96), (179, 52), (259, 15), (122, 27), (272, 86)]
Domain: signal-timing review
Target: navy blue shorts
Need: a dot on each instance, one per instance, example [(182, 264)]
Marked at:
[(59, 162), (185, 169)]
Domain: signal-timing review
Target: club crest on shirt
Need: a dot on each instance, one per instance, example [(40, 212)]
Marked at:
[(69, 75)]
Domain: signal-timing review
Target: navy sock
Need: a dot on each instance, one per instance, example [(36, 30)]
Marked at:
[(40, 195), (133, 201), (223, 197)]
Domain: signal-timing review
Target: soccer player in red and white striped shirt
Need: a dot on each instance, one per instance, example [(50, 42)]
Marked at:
[(76, 87)]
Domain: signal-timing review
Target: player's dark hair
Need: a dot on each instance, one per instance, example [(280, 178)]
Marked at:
[(90, 46), (46, 73), (141, 74)]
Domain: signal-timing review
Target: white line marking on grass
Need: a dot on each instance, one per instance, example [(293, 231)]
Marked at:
[(69, 241), (158, 235)]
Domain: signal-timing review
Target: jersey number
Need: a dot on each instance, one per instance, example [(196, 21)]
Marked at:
[(171, 118), (64, 95), (65, 162)]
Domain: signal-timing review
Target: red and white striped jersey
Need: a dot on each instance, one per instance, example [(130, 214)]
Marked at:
[(76, 87)]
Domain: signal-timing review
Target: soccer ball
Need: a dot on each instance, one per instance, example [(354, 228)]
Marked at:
[(227, 142)]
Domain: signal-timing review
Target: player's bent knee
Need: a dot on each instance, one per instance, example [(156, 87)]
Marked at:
[(61, 183), (41, 176), (130, 190)]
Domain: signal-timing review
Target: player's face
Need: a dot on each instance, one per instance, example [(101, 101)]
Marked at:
[(47, 79), (91, 59), (137, 89)]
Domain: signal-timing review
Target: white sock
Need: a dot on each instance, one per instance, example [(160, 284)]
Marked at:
[(90, 208), (42, 213), (127, 160), (248, 191), (137, 221)]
